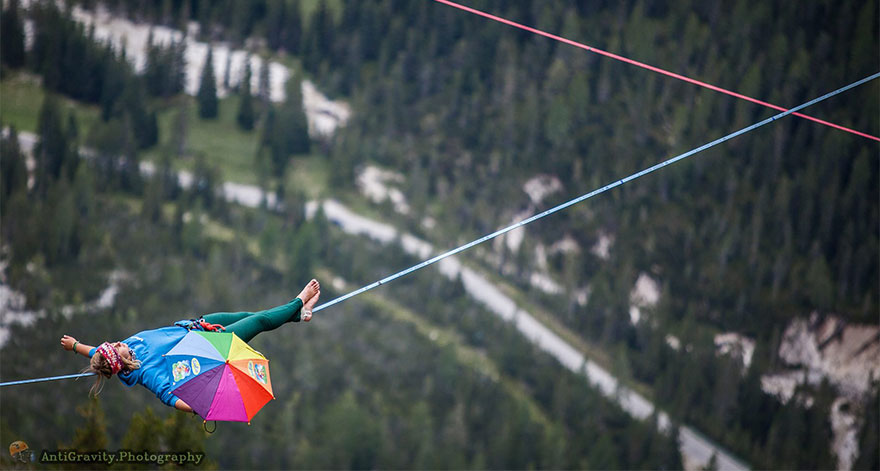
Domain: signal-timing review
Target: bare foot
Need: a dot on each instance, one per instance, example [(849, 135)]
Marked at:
[(307, 308), (310, 290)]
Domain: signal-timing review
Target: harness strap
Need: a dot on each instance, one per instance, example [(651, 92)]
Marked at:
[(199, 324), (210, 327)]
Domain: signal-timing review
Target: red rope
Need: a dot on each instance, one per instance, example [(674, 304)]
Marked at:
[(646, 66)]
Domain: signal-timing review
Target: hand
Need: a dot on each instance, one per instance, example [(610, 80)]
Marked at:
[(180, 405), (67, 342)]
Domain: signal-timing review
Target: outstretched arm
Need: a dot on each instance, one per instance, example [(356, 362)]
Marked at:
[(180, 405), (69, 343)]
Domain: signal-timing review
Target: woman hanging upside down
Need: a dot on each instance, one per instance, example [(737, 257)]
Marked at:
[(138, 359)]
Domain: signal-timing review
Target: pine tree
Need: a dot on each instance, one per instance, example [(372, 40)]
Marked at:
[(177, 76), (276, 18), (51, 152), (145, 433), (180, 433), (227, 71), (203, 16), (71, 163), (181, 128), (269, 139), (207, 96), (12, 36), (92, 435), (318, 38), (869, 435), (60, 240), (144, 123), (13, 172), (240, 21), (164, 13), (422, 427), (84, 201), (268, 240), (264, 85), (130, 173), (712, 465), (165, 69), (603, 454), (205, 182), (302, 246), (113, 83), (294, 124), (245, 116), (153, 75), (150, 133), (183, 17), (285, 129), (151, 209), (292, 33), (351, 436)]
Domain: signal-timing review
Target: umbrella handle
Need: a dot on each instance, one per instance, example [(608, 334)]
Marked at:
[(205, 425)]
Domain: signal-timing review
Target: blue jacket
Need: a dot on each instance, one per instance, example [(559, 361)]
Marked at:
[(148, 347)]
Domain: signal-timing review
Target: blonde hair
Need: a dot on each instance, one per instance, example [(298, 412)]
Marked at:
[(101, 367)]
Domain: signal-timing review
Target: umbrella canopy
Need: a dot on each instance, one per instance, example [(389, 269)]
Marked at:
[(219, 376)]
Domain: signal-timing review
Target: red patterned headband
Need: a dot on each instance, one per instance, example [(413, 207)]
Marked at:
[(112, 356)]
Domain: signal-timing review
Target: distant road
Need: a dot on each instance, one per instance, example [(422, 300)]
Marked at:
[(696, 448)]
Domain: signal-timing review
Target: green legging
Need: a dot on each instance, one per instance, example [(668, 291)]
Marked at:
[(247, 325)]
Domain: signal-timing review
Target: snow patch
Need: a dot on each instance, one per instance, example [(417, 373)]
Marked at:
[(645, 294), (784, 384), (12, 311), (582, 296), (108, 296), (602, 249), (106, 299), (338, 283), (673, 342), (541, 258), (545, 283), (565, 245), (429, 223), (514, 238), (736, 345), (324, 115), (374, 183), (26, 143), (540, 187), (844, 424), (635, 315)]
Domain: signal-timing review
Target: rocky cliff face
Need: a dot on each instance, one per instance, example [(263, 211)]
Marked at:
[(847, 355)]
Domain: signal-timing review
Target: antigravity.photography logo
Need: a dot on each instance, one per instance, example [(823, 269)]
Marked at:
[(121, 456)]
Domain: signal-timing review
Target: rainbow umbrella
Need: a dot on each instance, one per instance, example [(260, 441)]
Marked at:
[(219, 376)]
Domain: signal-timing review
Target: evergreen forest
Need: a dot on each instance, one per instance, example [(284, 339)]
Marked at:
[(777, 225)]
